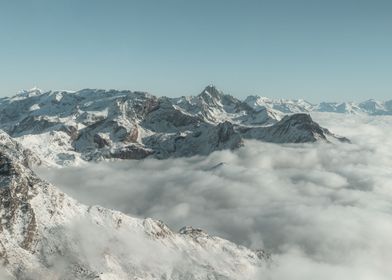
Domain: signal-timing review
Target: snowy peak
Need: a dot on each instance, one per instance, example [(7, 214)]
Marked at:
[(372, 106), (35, 91), (13, 151), (285, 106), (212, 97), (212, 92)]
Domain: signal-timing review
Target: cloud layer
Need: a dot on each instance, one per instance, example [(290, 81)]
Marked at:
[(323, 210)]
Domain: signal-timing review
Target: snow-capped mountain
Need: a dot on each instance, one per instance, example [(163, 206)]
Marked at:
[(287, 106), (66, 127), (44, 234)]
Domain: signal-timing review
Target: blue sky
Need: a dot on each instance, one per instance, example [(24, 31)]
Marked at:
[(317, 50)]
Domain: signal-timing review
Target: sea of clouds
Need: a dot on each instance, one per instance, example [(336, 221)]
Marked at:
[(323, 210)]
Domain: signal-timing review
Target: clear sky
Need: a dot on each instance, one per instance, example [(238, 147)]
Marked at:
[(317, 50)]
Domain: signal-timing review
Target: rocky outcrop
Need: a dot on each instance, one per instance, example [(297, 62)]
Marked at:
[(297, 128)]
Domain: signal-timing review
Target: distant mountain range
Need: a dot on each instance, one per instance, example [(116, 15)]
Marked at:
[(64, 127), (287, 106)]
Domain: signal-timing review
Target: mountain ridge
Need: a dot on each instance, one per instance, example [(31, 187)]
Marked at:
[(65, 128), (369, 107), (283, 105)]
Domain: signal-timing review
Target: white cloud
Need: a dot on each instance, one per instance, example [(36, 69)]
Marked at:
[(325, 211), (4, 275)]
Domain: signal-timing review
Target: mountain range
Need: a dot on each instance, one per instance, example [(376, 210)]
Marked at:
[(288, 106), (65, 128)]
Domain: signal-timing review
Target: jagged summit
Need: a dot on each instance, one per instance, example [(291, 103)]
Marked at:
[(212, 90), (214, 97)]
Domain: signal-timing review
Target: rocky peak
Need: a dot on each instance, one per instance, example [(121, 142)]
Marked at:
[(11, 150), (212, 91), (296, 128), (312, 130), (211, 96)]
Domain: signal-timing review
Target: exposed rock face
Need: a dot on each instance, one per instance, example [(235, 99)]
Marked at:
[(97, 124), (44, 234), (202, 141), (297, 128)]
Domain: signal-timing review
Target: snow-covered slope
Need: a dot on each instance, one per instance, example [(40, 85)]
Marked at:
[(44, 234), (287, 106), (70, 127)]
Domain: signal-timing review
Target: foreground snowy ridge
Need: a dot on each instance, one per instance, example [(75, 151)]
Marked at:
[(44, 234), (65, 128)]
